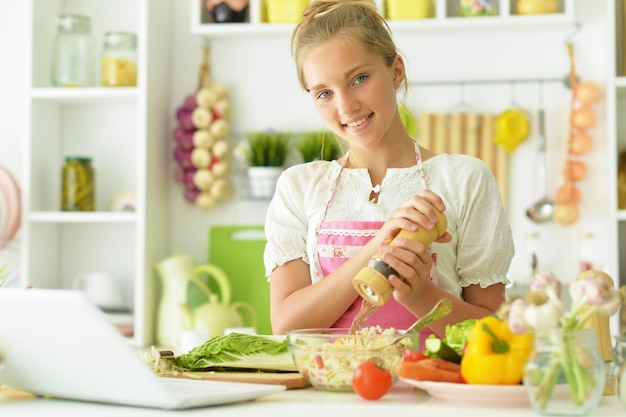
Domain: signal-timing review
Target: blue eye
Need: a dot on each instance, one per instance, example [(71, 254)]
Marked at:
[(323, 94), (360, 79)]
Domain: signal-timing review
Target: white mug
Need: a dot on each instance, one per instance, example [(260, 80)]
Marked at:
[(102, 289), (243, 330), (189, 339)]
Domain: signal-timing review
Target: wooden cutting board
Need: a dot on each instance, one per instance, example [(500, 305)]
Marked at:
[(291, 380)]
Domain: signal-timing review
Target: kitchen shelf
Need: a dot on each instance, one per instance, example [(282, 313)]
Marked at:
[(82, 217), (122, 129), (92, 95), (445, 19), (615, 97)]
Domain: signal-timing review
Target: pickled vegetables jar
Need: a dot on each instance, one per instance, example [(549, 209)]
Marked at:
[(78, 184), (119, 60), (72, 54)]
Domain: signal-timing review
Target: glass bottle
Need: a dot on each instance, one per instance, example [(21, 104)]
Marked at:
[(119, 60), (72, 53), (78, 184)]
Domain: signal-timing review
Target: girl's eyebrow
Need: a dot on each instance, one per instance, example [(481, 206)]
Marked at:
[(346, 74)]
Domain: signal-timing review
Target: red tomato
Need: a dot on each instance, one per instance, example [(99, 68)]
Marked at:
[(412, 355), (371, 381)]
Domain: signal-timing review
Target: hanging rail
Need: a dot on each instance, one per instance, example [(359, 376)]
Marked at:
[(492, 81)]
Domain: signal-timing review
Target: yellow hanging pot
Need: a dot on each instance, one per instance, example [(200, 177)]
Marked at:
[(512, 127)]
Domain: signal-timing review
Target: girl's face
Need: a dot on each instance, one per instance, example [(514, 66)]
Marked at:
[(354, 92)]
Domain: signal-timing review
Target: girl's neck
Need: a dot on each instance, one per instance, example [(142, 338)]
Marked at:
[(400, 156), (377, 162)]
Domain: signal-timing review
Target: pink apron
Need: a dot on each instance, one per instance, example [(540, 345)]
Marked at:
[(338, 240)]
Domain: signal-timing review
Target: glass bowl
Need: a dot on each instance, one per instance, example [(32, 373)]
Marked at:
[(328, 357)]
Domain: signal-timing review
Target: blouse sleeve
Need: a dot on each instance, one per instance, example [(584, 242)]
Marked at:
[(482, 235), (285, 224), (485, 239)]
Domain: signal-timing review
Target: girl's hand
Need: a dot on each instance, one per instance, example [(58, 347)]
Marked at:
[(420, 210), (413, 262), (416, 212)]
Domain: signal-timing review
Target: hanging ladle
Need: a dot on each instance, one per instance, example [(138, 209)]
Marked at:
[(542, 210)]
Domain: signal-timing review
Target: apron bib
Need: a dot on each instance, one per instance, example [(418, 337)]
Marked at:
[(337, 241)]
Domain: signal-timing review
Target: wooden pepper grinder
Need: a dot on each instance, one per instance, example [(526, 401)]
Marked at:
[(600, 323), (372, 281)]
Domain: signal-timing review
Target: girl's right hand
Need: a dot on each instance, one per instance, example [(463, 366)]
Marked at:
[(418, 211)]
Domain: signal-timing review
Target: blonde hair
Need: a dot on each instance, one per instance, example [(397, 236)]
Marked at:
[(357, 20)]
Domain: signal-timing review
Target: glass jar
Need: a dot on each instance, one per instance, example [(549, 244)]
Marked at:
[(72, 54), (78, 184), (119, 60), (565, 374)]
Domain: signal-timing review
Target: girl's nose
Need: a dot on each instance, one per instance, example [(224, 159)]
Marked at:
[(347, 104)]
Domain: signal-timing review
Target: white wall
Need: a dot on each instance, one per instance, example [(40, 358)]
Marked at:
[(264, 93)]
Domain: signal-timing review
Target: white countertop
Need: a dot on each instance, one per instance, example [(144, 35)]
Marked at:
[(403, 400)]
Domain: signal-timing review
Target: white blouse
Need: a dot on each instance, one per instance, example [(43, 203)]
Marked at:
[(482, 245)]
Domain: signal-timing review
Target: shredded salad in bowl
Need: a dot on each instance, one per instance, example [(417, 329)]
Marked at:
[(328, 357)]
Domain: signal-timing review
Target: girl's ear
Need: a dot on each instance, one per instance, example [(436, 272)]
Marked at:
[(398, 71)]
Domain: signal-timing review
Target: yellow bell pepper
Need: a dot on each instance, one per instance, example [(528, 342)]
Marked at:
[(494, 354)]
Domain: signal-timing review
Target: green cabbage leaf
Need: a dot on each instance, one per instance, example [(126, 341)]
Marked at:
[(240, 351)]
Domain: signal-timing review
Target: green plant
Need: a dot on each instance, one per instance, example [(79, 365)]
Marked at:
[(267, 148), (319, 145)]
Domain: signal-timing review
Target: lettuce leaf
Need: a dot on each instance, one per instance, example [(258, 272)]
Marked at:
[(241, 351), (456, 335)]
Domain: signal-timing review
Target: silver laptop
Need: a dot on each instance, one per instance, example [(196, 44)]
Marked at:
[(57, 343)]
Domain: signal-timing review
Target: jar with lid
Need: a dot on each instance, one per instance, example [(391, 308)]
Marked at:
[(119, 60), (72, 54), (78, 184)]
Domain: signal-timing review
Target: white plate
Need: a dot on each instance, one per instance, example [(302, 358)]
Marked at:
[(497, 395)]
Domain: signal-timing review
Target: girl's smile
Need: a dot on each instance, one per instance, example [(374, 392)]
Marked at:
[(353, 90)]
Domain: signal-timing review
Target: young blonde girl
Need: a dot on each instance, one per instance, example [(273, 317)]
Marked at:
[(327, 219)]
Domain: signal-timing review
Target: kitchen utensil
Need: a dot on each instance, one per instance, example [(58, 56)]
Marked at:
[(176, 272), (215, 316), (189, 339), (439, 311), (542, 210), (512, 128), (291, 380), (102, 289)]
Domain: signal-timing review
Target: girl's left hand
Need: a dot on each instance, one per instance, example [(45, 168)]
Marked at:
[(413, 261)]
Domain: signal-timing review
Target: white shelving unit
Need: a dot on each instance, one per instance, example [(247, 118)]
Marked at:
[(124, 131), (616, 132), (445, 18)]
